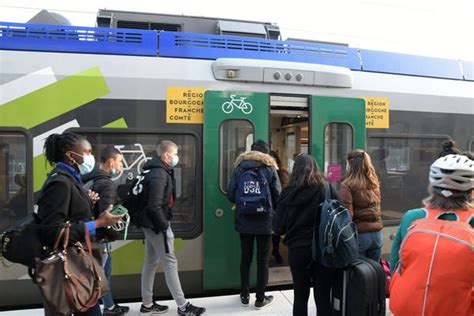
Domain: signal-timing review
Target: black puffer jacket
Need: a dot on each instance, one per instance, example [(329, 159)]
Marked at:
[(63, 199), (101, 182), (255, 224), (157, 196), (295, 214)]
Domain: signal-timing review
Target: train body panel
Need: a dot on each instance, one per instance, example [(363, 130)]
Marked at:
[(47, 92)]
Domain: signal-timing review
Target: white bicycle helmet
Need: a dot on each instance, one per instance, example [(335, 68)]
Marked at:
[(452, 172)]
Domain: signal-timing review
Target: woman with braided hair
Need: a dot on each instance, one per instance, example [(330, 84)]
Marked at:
[(62, 198)]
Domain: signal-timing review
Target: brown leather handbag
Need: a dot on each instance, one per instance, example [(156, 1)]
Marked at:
[(72, 279)]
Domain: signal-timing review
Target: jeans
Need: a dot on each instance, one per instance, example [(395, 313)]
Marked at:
[(105, 248), (370, 245), (263, 251), (155, 253), (307, 274)]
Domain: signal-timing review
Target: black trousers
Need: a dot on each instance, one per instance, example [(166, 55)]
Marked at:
[(306, 275), (276, 244), (263, 251)]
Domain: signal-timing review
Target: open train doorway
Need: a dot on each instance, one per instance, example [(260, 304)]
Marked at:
[(289, 137)]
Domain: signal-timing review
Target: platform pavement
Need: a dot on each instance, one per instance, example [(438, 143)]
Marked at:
[(218, 305)]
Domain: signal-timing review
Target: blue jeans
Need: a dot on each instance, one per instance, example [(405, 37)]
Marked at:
[(107, 299), (370, 245)]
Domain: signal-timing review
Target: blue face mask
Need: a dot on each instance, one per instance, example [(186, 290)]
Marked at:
[(87, 165), (174, 161), (113, 172)]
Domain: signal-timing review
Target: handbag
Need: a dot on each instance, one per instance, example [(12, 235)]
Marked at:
[(22, 243), (72, 279)]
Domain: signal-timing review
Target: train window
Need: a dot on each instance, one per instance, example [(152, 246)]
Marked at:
[(338, 140), (402, 165), (235, 137), (137, 149), (14, 186)]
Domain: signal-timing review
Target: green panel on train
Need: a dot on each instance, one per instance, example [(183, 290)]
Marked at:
[(221, 241), (326, 110)]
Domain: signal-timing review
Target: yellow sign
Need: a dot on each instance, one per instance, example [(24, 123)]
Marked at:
[(377, 112), (185, 105)]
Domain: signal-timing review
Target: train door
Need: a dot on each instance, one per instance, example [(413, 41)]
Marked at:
[(337, 126), (325, 127), (232, 122)]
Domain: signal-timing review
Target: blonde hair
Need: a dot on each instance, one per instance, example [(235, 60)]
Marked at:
[(361, 173)]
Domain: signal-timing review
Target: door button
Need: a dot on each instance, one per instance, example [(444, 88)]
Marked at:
[(219, 212)]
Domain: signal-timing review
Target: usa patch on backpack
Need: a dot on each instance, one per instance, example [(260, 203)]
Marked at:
[(253, 195), (132, 200), (335, 243)]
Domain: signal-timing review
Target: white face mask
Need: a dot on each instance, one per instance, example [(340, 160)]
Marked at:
[(87, 165), (174, 161)]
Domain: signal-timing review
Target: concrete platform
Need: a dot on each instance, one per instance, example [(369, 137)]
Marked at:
[(219, 305)]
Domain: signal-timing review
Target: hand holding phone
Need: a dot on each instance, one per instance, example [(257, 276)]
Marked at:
[(119, 210)]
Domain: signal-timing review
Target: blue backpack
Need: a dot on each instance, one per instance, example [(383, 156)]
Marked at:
[(253, 195), (335, 242)]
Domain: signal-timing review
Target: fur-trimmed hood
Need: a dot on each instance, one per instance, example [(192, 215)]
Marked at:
[(256, 156)]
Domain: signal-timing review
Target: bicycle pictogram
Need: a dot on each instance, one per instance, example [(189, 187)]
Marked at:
[(239, 103), (139, 159)]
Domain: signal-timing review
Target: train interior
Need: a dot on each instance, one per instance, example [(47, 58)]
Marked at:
[(289, 127)]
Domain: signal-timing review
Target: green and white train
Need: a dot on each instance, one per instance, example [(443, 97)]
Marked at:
[(214, 86)]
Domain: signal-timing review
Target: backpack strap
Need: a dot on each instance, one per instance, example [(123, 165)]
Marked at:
[(327, 191), (262, 175)]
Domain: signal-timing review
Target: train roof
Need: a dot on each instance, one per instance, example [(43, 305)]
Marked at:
[(135, 42)]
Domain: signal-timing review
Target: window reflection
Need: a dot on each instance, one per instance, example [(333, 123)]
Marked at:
[(338, 139), (13, 178), (236, 137), (400, 162), (137, 149)]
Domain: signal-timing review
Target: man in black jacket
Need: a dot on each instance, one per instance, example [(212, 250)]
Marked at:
[(255, 227), (156, 201), (100, 181)]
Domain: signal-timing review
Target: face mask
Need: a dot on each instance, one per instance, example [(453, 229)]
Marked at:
[(174, 161), (113, 172), (88, 164)]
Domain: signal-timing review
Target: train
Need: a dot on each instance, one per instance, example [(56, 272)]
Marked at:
[(214, 86)]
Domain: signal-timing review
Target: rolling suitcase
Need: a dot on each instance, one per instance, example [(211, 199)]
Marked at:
[(359, 289)]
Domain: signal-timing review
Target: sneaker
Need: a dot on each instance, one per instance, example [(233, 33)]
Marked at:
[(244, 300), (125, 309), (153, 309), (116, 311), (267, 301), (191, 310)]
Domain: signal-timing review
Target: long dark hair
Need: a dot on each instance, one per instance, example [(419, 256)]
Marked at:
[(56, 145), (305, 172)]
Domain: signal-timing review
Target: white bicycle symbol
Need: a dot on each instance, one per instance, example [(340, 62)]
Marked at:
[(140, 160), (245, 107)]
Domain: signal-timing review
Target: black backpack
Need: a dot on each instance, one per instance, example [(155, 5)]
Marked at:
[(335, 241), (132, 199)]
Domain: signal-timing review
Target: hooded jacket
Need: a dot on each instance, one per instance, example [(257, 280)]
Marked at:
[(157, 197), (255, 224), (101, 182), (364, 206), (295, 214)]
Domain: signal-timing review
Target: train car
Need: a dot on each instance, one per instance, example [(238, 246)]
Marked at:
[(214, 86)]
